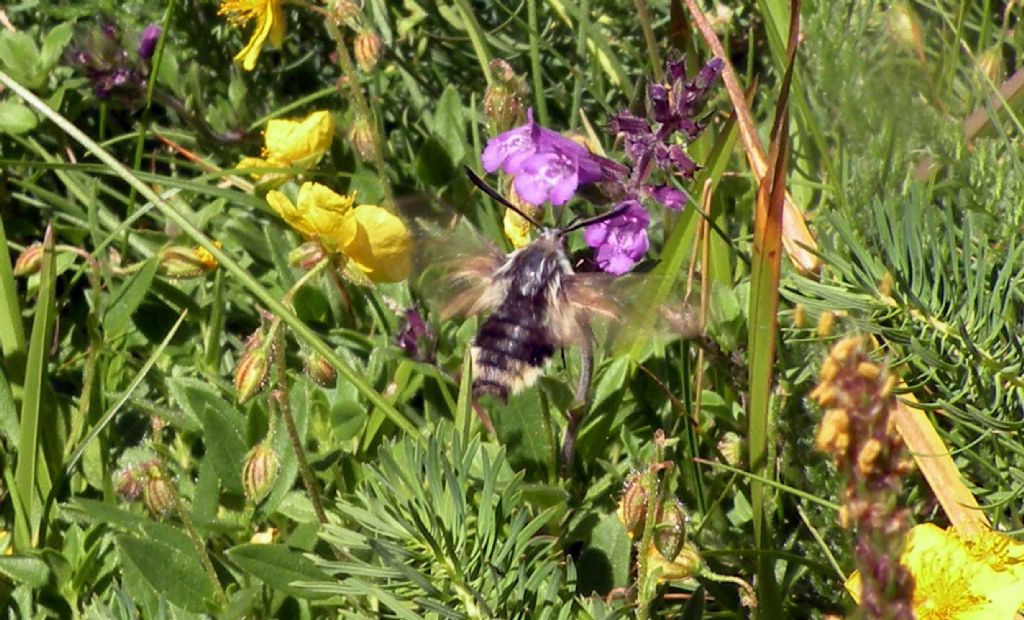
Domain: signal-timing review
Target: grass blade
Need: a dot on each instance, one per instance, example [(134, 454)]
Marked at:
[(12, 333), (29, 446)]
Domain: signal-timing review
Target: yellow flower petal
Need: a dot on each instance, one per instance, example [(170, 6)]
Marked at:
[(382, 247), (269, 22), (299, 143), (517, 228), (328, 215), (959, 579), (289, 213)]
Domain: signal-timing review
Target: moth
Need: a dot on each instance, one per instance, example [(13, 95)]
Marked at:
[(534, 302)]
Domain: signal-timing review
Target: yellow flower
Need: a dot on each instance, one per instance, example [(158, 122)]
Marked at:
[(293, 144), (269, 24), (517, 228), (961, 576), (375, 240)]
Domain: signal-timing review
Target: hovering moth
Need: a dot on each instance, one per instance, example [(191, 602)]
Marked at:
[(533, 301)]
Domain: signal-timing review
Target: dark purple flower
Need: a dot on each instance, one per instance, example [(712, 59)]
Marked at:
[(416, 338), (148, 40), (621, 241), (544, 164)]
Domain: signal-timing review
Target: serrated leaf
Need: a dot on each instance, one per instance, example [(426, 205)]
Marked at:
[(125, 301), (169, 563), (279, 567), (16, 118)]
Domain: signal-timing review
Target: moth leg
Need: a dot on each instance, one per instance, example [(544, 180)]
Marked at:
[(579, 409)]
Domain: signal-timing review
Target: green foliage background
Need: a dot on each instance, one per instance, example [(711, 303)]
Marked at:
[(430, 515)]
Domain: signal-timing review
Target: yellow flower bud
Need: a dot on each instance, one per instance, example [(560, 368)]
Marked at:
[(306, 256), (158, 495), (320, 370), (30, 260), (686, 565), (368, 47), (360, 135), (181, 263), (260, 471), (633, 505), (251, 373), (670, 533), (503, 99)]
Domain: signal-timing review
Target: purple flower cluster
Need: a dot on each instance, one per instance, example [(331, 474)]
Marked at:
[(546, 166), (98, 54)]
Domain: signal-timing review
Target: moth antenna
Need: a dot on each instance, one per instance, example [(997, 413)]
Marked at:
[(493, 193), (597, 219)]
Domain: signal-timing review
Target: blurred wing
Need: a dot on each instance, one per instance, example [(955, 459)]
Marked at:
[(618, 309), (454, 268)]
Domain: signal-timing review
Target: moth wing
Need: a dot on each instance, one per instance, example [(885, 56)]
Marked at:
[(455, 268), (618, 311)]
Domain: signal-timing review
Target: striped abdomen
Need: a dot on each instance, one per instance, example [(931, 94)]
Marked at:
[(512, 346)]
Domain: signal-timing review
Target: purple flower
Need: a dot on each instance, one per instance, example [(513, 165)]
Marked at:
[(671, 197), (544, 164), (148, 40), (621, 241)]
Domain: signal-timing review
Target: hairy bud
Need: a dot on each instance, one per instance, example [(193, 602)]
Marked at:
[(320, 370), (251, 373), (30, 260), (368, 47), (633, 505), (182, 262), (260, 471)]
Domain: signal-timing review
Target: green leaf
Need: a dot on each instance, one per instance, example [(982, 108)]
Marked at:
[(20, 57), (168, 561), (450, 124), (30, 447), (523, 426), (16, 118), (125, 301), (53, 45), (224, 438), (29, 570), (434, 165), (279, 567), (604, 562)]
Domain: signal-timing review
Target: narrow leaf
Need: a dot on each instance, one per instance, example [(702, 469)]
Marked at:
[(279, 567)]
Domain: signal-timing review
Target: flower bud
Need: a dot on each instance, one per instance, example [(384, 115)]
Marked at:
[(670, 533), (904, 26), (251, 373), (799, 316), (148, 41), (686, 565), (306, 256), (265, 537), (260, 471), (368, 47), (991, 64), (181, 262), (129, 484), (320, 370), (826, 321), (158, 495), (633, 505), (503, 100), (30, 260), (362, 138), (346, 10), (731, 445)]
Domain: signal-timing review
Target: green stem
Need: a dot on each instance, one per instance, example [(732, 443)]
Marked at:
[(362, 108), (652, 43), (646, 587), (535, 66), (200, 545)]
